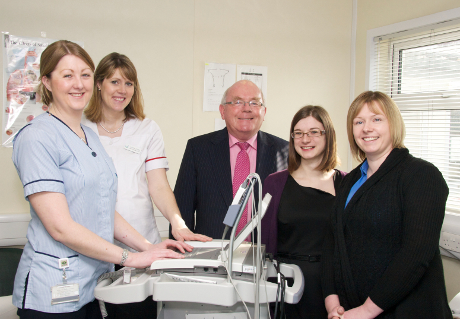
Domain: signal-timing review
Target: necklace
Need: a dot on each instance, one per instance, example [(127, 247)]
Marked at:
[(81, 138), (113, 131)]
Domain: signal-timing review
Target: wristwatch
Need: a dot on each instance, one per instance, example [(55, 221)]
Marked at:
[(124, 256)]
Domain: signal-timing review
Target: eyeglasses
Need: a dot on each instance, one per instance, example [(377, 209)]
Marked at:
[(311, 133), (241, 103)]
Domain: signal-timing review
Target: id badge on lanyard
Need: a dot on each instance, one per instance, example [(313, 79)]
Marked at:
[(65, 292)]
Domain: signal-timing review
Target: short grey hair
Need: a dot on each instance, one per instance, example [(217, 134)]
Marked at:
[(224, 97)]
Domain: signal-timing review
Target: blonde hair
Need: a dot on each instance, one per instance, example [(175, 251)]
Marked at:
[(105, 69), (330, 158), (377, 102), (51, 57)]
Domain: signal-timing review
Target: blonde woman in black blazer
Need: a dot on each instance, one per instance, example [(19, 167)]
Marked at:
[(382, 259)]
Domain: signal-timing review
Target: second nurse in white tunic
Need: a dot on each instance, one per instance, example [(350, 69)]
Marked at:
[(135, 143)]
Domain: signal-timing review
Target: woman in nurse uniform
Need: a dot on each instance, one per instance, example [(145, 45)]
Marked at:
[(135, 144)]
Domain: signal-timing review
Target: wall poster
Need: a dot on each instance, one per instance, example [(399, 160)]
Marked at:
[(21, 72)]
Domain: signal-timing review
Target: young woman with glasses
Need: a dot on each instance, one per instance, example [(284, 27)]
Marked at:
[(302, 199)]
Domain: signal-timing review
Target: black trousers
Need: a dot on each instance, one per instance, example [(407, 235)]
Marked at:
[(89, 311)]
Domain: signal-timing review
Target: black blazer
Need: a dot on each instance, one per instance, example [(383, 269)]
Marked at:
[(204, 183)]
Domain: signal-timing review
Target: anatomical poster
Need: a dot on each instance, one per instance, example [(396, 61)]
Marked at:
[(218, 77), (21, 72)]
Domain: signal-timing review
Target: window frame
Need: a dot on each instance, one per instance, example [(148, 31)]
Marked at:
[(401, 27), (419, 42), (452, 220)]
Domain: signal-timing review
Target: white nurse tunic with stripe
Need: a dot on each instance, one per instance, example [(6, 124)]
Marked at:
[(139, 149), (50, 157)]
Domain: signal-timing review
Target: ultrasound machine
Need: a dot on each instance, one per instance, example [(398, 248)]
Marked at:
[(218, 279)]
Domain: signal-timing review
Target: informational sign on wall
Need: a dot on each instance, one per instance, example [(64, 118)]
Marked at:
[(21, 72), (256, 74), (218, 77)]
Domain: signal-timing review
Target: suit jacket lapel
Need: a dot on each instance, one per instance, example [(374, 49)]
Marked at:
[(220, 161), (265, 156)]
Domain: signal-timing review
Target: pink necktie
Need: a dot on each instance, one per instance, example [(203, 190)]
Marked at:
[(241, 172)]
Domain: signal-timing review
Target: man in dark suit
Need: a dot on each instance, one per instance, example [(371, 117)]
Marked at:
[(204, 183)]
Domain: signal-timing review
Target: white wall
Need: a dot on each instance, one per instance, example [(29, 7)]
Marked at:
[(156, 35), (304, 44)]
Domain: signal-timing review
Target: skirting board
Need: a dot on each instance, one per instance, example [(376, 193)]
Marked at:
[(13, 229)]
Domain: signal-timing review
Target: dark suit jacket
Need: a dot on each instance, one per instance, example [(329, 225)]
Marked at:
[(204, 183)]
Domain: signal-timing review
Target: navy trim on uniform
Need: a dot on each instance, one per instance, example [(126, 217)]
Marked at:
[(87, 144), (39, 252), (44, 180)]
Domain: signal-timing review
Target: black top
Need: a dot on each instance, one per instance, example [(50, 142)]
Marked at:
[(385, 242), (302, 216)]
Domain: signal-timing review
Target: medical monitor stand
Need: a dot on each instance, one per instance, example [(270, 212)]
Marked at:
[(245, 198)]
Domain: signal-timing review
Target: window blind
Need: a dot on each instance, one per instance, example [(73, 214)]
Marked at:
[(420, 70)]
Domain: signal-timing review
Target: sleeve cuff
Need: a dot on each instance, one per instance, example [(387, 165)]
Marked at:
[(156, 162), (44, 186)]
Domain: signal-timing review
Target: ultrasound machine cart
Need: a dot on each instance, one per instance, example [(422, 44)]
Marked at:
[(199, 288)]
